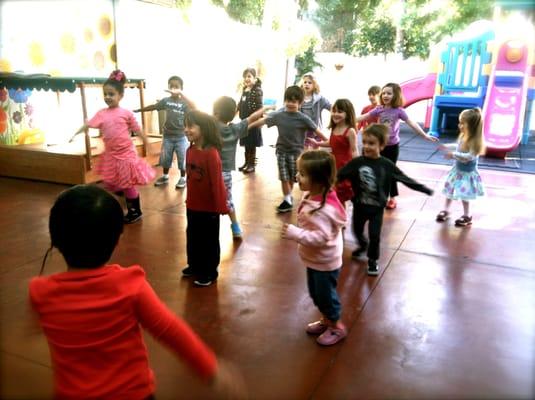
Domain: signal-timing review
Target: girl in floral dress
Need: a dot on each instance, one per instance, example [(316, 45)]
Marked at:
[(463, 181)]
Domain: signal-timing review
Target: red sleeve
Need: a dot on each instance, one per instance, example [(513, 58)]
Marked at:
[(174, 332), (219, 192)]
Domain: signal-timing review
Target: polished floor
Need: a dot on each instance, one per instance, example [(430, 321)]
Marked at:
[(451, 316)]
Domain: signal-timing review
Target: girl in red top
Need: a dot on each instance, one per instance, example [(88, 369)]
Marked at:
[(343, 141), (119, 166), (206, 197), (93, 313)]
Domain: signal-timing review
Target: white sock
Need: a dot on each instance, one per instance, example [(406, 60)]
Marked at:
[(288, 198)]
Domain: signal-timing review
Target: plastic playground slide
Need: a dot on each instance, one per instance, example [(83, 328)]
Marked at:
[(419, 89), (505, 102)]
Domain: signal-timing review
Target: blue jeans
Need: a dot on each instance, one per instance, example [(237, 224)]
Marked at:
[(174, 145), (322, 289)]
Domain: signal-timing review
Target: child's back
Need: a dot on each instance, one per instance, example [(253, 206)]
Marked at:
[(92, 314)]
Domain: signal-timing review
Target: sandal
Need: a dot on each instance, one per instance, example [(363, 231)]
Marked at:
[(463, 221), (442, 216)]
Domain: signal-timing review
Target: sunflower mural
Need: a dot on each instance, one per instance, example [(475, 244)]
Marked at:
[(16, 118)]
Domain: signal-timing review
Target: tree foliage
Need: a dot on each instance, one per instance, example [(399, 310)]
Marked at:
[(306, 62), (244, 11), (365, 27)]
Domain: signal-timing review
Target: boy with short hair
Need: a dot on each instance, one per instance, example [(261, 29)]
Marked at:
[(292, 125), (174, 138), (373, 95), (371, 175), (224, 111)]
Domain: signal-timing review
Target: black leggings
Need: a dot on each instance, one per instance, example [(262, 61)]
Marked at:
[(392, 153)]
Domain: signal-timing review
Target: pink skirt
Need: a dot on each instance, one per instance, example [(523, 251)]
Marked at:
[(124, 173)]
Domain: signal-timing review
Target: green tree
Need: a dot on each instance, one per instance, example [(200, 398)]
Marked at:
[(337, 19), (306, 62), (421, 25), (245, 11), (375, 36)]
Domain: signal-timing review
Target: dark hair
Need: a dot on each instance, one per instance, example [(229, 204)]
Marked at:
[(375, 90), (117, 79), (176, 78), (379, 131), (208, 125), (225, 109), (397, 98), (294, 93), (85, 224), (346, 106), (320, 167), (251, 71)]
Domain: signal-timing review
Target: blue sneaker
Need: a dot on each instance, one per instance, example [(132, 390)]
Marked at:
[(236, 231)]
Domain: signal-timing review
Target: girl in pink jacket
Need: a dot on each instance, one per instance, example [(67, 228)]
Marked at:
[(320, 219)]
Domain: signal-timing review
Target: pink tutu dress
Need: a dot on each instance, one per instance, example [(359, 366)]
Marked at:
[(119, 165)]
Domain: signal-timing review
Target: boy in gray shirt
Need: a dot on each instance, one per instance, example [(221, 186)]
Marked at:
[(224, 112), (174, 138), (292, 125)]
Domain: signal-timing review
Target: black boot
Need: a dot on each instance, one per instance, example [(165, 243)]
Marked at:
[(245, 162), (134, 211)]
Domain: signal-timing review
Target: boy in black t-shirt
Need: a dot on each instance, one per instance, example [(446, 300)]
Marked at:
[(371, 176)]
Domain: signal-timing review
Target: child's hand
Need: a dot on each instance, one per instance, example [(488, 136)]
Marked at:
[(174, 91), (284, 230), (229, 382), (431, 138), (448, 155)]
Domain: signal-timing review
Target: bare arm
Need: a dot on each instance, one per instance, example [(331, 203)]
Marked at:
[(152, 107), (352, 136), (83, 128), (362, 117), (321, 135), (416, 128), (258, 114)]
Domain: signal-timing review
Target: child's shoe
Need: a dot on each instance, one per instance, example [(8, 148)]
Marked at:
[(373, 268), (204, 281), (463, 221), (332, 335), (391, 203), (284, 207), (187, 272), (442, 216), (316, 328), (162, 180), (236, 230), (181, 183), (359, 252), (134, 213)]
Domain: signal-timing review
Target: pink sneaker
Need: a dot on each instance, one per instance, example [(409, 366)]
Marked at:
[(331, 336), (316, 328)]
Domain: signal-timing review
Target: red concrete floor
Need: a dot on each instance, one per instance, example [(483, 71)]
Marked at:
[(451, 315)]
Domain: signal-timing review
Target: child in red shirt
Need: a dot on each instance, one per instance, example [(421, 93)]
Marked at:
[(373, 95), (206, 197), (92, 314)]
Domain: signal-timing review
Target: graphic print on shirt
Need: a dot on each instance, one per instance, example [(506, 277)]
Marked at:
[(368, 186), (178, 113), (385, 119), (195, 172)]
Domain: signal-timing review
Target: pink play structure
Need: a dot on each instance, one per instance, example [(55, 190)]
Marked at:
[(463, 81)]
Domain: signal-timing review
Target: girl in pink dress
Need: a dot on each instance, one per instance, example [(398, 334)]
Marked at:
[(119, 166), (343, 142)]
